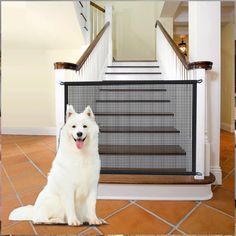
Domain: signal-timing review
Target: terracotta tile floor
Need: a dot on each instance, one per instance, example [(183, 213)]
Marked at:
[(26, 161)]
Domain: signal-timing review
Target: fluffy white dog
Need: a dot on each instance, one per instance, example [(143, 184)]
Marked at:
[(71, 190)]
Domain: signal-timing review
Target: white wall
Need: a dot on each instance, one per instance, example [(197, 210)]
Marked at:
[(134, 28), (35, 35), (227, 77)]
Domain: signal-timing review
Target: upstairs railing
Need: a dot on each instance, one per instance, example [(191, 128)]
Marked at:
[(174, 63), (97, 19), (91, 64), (175, 66)]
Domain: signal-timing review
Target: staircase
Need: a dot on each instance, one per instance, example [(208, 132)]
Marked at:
[(145, 125), (153, 141)]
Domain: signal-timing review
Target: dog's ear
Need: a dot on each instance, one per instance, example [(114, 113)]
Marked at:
[(88, 111), (69, 111)]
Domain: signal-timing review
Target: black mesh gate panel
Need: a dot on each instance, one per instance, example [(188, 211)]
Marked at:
[(146, 127)]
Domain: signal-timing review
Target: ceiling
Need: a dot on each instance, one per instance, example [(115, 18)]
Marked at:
[(37, 24)]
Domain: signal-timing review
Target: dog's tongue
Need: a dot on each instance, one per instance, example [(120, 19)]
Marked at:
[(79, 144)]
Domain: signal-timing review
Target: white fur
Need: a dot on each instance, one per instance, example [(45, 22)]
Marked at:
[(71, 190)]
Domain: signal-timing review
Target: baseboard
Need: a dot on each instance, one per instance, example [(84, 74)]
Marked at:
[(227, 127), (217, 172), (155, 191), (29, 131)]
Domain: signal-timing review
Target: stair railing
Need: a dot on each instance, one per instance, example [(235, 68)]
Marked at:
[(92, 63), (97, 19), (175, 66)]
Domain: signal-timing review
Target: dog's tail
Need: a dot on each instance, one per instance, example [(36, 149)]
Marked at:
[(22, 213)]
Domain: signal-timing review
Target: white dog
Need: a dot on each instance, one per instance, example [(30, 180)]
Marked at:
[(71, 190)]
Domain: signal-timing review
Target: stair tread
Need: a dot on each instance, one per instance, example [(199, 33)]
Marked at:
[(134, 114), (133, 90), (132, 73), (141, 150), (137, 66), (138, 129), (131, 100)]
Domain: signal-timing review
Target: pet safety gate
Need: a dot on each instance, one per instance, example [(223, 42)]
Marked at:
[(146, 127)]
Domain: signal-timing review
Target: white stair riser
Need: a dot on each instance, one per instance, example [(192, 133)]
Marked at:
[(135, 120), (135, 63), (160, 95), (142, 139), (133, 77), (135, 107), (143, 161), (128, 69)]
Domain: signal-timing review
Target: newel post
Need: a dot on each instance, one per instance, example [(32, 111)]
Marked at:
[(202, 140), (108, 17)]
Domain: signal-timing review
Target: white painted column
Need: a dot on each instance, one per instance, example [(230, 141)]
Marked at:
[(108, 17), (204, 45)]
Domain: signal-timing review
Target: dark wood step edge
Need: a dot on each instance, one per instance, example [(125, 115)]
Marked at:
[(133, 114), (130, 101), (123, 129), (153, 179), (133, 90)]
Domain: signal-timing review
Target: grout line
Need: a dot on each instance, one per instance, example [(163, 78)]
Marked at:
[(83, 231), (32, 162), (118, 210), (173, 229), (99, 231), (229, 173), (186, 216), (220, 211), (48, 147), (17, 196), (153, 214)]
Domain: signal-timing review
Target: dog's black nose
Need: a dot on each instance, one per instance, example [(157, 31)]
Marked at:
[(79, 134)]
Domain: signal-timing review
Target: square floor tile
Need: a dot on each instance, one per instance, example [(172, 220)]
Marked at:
[(58, 229), (14, 160), (134, 220), (106, 207), (22, 228), (9, 150), (172, 211), (228, 183), (205, 220), (223, 200)]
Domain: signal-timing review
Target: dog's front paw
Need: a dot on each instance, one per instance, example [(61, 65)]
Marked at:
[(74, 221), (95, 221)]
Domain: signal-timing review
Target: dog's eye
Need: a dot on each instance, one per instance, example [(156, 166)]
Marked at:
[(85, 126), (73, 126)]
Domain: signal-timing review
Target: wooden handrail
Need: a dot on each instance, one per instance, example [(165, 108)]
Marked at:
[(88, 51), (84, 57), (207, 65), (97, 6)]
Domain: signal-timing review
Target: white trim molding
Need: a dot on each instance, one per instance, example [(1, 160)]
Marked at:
[(29, 131), (155, 191), (217, 172), (227, 127)]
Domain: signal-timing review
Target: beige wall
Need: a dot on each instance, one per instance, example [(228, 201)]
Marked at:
[(35, 34), (28, 96), (133, 29), (227, 77)]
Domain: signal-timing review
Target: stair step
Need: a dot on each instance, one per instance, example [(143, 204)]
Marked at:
[(133, 73), (132, 76), (138, 129), (141, 150), (135, 63), (134, 114), (131, 101), (150, 171), (133, 66), (133, 69), (133, 90)]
